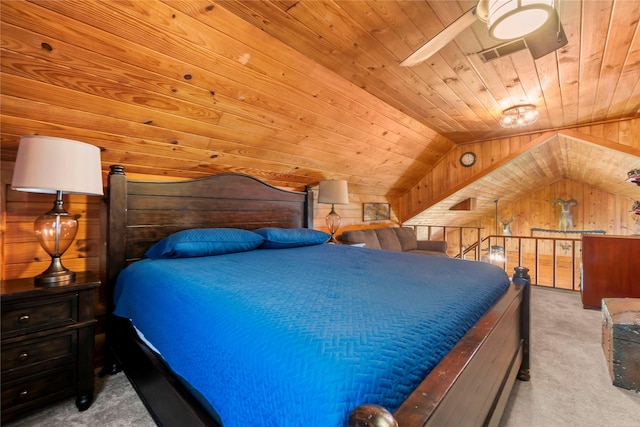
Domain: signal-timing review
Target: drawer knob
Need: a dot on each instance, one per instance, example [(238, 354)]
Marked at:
[(23, 319), (23, 356), (23, 394)]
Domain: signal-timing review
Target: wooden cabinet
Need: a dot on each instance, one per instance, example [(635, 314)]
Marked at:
[(47, 344), (610, 268)]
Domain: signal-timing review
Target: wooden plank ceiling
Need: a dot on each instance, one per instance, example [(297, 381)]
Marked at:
[(297, 91)]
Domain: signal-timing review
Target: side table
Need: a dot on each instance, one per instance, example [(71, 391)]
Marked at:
[(47, 344)]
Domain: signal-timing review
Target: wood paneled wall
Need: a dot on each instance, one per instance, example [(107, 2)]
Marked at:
[(448, 176), (596, 210)]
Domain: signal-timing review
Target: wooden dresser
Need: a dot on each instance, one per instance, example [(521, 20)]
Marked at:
[(610, 268), (47, 344)]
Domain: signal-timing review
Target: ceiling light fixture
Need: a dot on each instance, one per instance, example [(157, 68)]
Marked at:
[(519, 116), (513, 19)]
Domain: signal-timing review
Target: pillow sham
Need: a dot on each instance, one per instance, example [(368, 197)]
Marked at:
[(282, 238), (199, 242)]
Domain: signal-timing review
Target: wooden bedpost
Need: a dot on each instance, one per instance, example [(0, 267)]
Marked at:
[(521, 277), (308, 206), (117, 211), (116, 236), (371, 416)]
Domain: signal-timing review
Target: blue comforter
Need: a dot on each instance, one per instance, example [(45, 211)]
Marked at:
[(301, 336)]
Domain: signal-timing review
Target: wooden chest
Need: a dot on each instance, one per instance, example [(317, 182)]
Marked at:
[(621, 340)]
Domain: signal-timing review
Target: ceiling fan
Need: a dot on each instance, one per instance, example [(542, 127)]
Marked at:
[(536, 21)]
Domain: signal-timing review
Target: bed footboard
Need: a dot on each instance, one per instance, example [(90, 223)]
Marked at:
[(478, 374)]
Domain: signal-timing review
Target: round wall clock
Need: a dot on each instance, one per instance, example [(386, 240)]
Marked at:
[(468, 159)]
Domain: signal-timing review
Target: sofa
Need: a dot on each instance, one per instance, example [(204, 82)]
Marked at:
[(399, 239)]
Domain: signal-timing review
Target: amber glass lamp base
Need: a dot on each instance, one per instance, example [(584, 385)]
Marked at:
[(55, 231), (333, 221)]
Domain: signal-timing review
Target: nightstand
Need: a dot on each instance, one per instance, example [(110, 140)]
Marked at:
[(47, 344)]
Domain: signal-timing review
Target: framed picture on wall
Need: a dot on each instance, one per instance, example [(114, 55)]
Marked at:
[(376, 211)]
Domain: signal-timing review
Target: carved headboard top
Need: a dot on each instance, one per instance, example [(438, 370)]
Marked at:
[(141, 213)]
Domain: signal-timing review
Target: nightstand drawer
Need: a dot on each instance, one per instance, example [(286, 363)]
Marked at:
[(30, 316), (39, 389), (46, 352)]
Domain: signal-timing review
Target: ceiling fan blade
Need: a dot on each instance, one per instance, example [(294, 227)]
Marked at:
[(441, 39), (549, 38)]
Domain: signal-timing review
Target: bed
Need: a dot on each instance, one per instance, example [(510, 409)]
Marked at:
[(426, 388)]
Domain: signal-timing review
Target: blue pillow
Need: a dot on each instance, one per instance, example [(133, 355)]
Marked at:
[(204, 242), (282, 238)]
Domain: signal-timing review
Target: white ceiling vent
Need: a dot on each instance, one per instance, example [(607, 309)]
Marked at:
[(502, 50)]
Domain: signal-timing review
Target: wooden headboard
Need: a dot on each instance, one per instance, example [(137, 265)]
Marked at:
[(141, 213)]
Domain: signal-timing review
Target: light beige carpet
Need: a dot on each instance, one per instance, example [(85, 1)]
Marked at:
[(570, 384), (116, 405)]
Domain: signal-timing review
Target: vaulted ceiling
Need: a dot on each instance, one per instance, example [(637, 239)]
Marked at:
[(297, 91), (561, 155)]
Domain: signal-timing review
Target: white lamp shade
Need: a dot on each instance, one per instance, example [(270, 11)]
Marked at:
[(333, 191), (512, 19), (46, 165)]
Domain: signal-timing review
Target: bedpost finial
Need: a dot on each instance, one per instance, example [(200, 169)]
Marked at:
[(371, 416), (116, 170), (521, 275)]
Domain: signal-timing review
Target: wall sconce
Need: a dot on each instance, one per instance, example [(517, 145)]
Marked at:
[(519, 116), (334, 192), (513, 19), (634, 176), (55, 166)]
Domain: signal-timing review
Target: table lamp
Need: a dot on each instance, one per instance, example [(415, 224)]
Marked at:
[(335, 192), (57, 166)]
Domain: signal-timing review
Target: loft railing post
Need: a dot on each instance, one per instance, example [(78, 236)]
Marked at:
[(520, 250), (537, 258), (573, 265), (506, 254), (554, 263)]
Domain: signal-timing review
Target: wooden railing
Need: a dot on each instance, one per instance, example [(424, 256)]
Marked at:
[(552, 261)]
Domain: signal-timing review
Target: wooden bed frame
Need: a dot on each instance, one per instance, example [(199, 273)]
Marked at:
[(470, 386)]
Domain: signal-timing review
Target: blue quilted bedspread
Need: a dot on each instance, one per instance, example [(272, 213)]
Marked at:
[(300, 337)]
